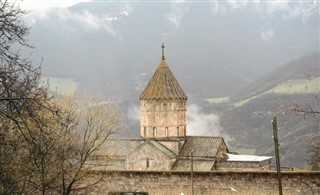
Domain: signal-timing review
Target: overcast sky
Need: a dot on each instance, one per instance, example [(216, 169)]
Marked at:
[(43, 4)]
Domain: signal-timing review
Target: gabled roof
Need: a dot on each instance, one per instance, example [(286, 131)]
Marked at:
[(201, 147), (163, 85), (118, 147), (163, 149)]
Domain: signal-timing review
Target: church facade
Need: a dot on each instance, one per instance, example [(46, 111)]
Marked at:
[(164, 144)]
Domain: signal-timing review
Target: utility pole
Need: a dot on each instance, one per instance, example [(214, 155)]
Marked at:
[(276, 146), (192, 188)]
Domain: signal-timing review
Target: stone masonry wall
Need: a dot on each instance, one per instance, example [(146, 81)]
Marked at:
[(208, 183), (168, 118), (243, 166)]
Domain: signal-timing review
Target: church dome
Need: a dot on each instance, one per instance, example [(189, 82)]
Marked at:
[(163, 85)]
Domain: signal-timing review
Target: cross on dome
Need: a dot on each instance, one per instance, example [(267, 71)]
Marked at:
[(162, 51)]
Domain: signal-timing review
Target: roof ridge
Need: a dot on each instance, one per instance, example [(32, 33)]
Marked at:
[(203, 136), (159, 144), (126, 139)]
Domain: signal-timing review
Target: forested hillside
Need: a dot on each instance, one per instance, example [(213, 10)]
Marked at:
[(247, 116)]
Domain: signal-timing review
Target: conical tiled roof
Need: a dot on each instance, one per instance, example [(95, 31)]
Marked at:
[(163, 85)]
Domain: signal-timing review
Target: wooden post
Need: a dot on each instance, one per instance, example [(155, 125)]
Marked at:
[(276, 146), (192, 188)]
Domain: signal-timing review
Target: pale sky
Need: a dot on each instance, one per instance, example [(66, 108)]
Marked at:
[(43, 4)]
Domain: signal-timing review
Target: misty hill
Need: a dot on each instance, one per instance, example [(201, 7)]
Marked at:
[(249, 127), (248, 122), (305, 67), (212, 48)]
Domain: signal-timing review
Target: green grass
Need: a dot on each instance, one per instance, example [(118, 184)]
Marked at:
[(289, 87), (226, 99), (61, 85), (242, 102), (218, 100), (297, 86)]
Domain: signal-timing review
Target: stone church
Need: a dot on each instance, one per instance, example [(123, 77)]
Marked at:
[(164, 144)]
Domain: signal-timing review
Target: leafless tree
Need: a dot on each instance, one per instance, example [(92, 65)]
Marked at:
[(20, 91), (314, 143), (44, 147), (91, 125), (314, 159), (21, 97), (306, 110), (58, 157)]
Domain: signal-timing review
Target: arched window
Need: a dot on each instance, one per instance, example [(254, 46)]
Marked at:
[(166, 132), (145, 131), (147, 163), (154, 132), (177, 131)]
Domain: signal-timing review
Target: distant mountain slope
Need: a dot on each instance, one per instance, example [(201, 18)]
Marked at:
[(302, 68), (249, 127), (212, 48), (246, 116)]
